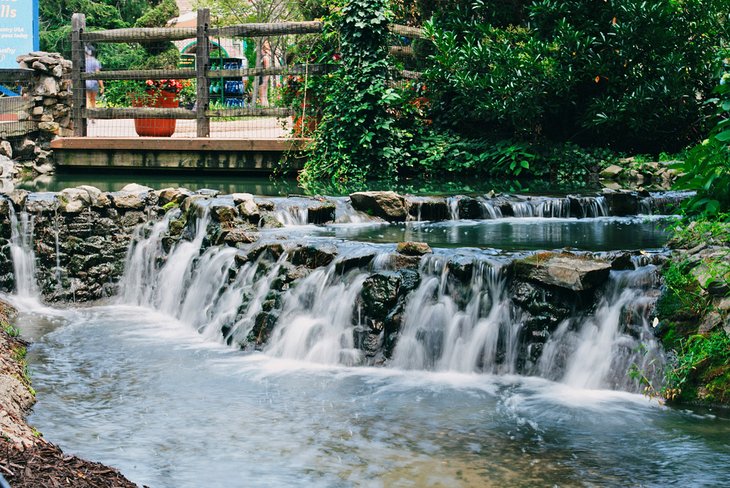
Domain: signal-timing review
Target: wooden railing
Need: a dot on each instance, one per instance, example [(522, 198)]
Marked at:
[(203, 74)]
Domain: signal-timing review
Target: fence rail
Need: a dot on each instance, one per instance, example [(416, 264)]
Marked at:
[(212, 78)]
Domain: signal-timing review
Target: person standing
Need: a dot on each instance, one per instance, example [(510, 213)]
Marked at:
[(92, 86), (263, 84)]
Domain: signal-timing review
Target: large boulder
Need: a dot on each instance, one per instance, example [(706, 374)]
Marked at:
[(386, 204), (564, 270)]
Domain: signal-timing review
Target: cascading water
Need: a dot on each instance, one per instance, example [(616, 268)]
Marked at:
[(439, 334), (21, 250), (450, 323), (316, 324), (483, 333), (599, 351)]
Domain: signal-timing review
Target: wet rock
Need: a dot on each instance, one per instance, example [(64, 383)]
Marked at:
[(265, 205), (461, 267), (194, 203), (240, 236), (73, 200), (313, 256), (546, 307), (622, 203), (379, 296), (172, 195), (40, 203), (97, 198), (224, 214), (427, 208), (564, 270), (18, 197), (125, 200), (470, 208), (321, 211), (247, 207), (386, 204), (269, 221), (354, 261), (411, 248), (621, 261)]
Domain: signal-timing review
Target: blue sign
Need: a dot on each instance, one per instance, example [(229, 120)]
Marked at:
[(18, 30)]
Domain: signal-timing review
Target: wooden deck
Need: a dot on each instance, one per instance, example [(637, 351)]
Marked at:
[(176, 153)]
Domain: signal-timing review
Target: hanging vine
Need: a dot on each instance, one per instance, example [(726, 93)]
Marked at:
[(357, 137)]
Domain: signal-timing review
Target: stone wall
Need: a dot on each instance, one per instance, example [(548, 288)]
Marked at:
[(80, 238), (49, 94)]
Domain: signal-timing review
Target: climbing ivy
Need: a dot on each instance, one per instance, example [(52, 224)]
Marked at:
[(357, 137)]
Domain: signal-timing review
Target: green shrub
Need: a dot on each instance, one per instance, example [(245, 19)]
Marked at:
[(628, 73), (707, 166), (700, 369)]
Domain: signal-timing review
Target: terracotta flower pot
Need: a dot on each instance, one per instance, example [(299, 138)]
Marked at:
[(156, 127)]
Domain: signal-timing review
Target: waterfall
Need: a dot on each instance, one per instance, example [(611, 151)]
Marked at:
[(598, 351), (21, 250), (291, 214), (317, 320), (453, 204), (459, 318), (474, 328), (491, 211), (440, 334)]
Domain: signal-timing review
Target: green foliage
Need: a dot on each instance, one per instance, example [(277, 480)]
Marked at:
[(357, 137), (441, 153), (683, 297), (625, 73), (707, 166), (159, 14), (701, 367), (159, 55), (703, 230)]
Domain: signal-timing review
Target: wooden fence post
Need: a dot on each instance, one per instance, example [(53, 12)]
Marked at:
[(78, 58), (202, 63)]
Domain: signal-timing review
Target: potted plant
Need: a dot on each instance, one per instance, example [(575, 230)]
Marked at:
[(158, 56), (157, 94)]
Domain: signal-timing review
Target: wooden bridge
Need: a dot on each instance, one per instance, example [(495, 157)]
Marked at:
[(250, 137)]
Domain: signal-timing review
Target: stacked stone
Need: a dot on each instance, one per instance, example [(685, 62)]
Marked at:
[(50, 92)]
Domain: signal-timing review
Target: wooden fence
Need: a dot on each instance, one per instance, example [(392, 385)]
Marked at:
[(202, 73)]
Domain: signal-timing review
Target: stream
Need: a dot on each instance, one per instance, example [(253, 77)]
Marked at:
[(145, 382)]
